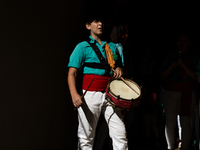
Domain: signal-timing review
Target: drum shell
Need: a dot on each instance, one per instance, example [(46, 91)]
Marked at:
[(121, 103)]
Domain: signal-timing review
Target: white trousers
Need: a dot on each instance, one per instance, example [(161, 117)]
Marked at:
[(171, 103), (88, 115)]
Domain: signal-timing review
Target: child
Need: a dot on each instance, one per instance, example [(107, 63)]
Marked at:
[(94, 103)]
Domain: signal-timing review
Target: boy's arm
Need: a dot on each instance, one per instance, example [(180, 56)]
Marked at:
[(76, 98), (187, 69), (165, 72), (118, 73)]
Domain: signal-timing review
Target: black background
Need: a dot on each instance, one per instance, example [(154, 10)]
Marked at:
[(36, 40)]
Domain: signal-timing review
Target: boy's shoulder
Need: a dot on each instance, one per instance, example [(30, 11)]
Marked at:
[(83, 44)]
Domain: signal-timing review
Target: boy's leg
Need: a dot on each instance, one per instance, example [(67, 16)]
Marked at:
[(186, 126), (88, 116), (186, 132), (101, 134), (116, 126), (171, 105)]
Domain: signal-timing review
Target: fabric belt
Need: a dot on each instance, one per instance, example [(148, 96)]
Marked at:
[(99, 83), (186, 89)]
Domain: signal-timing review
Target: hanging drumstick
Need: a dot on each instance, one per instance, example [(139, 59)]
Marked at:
[(127, 83), (86, 91)]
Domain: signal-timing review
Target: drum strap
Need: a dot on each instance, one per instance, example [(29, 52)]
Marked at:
[(104, 64)]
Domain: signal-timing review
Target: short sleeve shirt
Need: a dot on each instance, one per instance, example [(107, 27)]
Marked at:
[(83, 53)]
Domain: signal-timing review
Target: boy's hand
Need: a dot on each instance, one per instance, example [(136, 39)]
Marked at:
[(76, 100), (174, 64), (118, 73), (181, 62)]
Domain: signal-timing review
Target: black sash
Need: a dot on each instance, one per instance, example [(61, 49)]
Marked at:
[(104, 64)]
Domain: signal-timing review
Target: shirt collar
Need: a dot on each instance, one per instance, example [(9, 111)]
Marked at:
[(92, 40)]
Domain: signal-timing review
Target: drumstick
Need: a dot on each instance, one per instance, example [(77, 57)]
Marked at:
[(86, 90), (127, 83)]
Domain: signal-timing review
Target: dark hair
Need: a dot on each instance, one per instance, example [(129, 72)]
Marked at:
[(118, 33), (183, 33), (90, 17)]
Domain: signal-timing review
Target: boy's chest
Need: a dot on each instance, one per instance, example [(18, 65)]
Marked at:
[(91, 54)]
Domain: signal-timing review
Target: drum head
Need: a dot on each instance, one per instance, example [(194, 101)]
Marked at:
[(118, 87)]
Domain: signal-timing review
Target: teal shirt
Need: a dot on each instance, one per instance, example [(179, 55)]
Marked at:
[(83, 53), (173, 57)]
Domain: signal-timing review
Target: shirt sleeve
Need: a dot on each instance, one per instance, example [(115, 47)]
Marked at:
[(77, 58)]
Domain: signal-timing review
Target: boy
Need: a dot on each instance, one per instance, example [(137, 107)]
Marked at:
[(94, 103), (179, 98)]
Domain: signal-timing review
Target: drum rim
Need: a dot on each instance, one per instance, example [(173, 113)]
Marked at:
[(120, 97), (109, 100), (115, 106)]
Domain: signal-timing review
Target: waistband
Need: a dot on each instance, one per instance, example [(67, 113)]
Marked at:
[(173, 86), (99, 83), (186, 89)]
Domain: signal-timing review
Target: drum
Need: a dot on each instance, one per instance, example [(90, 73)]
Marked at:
[(121, 96)]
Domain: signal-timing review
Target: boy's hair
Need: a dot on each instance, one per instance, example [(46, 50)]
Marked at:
[(90, 17), (181, 33)]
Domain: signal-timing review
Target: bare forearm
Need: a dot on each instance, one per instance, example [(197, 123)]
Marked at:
[(118, 73), (190, 72), (72, 75), (76, 98), (164, 73), (72, 84), (187, 69)]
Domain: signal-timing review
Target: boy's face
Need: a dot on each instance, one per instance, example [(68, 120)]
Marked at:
[(96, 27)]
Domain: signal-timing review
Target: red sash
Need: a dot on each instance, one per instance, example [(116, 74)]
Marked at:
[(186, 89), (99, 83)]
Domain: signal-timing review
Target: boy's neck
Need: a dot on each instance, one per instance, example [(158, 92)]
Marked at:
[(97, 38)]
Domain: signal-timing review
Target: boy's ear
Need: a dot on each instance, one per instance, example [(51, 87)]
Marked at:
[(87, 26)]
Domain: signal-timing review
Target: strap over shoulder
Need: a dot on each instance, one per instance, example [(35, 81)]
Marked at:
[(103, 61)]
